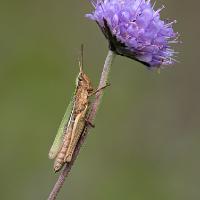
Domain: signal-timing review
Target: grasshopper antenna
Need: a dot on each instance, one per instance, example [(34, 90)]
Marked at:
[(81, 59)]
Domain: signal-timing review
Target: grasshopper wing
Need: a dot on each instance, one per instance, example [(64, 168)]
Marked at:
[(59, 136)]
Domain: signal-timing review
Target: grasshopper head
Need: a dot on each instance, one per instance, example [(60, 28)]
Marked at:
[(84, 81)]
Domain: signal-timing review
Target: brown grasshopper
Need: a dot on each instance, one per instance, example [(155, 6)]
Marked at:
[(77, 120)]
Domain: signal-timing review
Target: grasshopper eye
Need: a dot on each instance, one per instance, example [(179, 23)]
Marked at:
[(80, 78)]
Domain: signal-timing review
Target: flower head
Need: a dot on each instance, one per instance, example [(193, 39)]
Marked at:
[(134, 29)]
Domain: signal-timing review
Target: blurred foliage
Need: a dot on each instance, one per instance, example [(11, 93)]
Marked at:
[(146, 141)]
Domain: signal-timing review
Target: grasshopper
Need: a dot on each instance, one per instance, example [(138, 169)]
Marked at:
[(74, 120)]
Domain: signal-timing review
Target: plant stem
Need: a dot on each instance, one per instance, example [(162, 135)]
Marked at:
[(91, 117)]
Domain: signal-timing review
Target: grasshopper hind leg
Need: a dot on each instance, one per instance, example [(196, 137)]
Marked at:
[(74, 138), (78, 128)]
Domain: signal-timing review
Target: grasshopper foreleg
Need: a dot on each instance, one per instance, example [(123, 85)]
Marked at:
[(99, 89)]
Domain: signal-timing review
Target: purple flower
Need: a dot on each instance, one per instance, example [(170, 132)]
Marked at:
[(134, 29)]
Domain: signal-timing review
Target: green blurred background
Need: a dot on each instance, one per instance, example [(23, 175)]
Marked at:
[(146, 141)]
